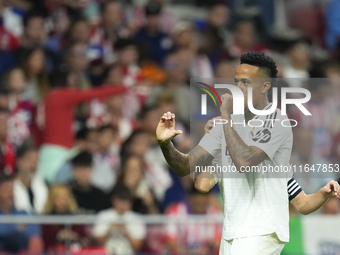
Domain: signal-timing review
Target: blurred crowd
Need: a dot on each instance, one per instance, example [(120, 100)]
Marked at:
[(83, 84)]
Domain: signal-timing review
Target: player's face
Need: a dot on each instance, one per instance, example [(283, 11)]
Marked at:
[(249, 76)]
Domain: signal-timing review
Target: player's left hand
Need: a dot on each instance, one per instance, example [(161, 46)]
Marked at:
[(227, 104), (332, 189), (210, 124)]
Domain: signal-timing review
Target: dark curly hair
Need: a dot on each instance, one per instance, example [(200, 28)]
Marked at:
[(265, 63)]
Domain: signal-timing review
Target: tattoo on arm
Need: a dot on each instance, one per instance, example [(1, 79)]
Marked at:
[(241, 153), (180, 162), (199, 157)]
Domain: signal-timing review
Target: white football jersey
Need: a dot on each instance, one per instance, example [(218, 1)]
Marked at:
[(255, 204)]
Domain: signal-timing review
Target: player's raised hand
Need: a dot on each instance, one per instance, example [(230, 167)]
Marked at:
[(332, 189), (227, 104), (210, 124), (166, 128)]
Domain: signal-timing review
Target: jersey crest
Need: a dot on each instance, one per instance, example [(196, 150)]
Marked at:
[(251, 133)]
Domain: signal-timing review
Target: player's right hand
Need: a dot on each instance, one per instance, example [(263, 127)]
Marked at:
[(166, 128), (210, 124)]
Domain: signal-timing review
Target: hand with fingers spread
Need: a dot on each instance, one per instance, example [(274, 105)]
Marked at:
[(166, 128), (210, 124), (332, 189)]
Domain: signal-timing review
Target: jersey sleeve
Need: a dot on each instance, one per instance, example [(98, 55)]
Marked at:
[(293, 189), (271, 137), (211, 141)]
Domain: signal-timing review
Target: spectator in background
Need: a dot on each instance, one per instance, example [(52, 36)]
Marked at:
[(214, 36), (167, 19), (16, 238), (147, 119), (120, 239), (166, 102), (157, 169), (7, 152), (112, 27), (323, 115), (133, 175), (30, 191), (331, 70), (156, 43), (61, 202), (157, 176), (21, 110), (332, 74), (106, 159), (296, 72), (58, 117), (78, 31), (127, 58), (304, 153), (13, 14), (225, 69), (176, 82), (35, 35), (77, 64), (34, 31), (185, 40), (89, 198), (37, 82), (62, 36), (115, 109), (8, 41), (137, 144), (244, 40), (193, 238), (85, 140), (114, 74), (120, 111)]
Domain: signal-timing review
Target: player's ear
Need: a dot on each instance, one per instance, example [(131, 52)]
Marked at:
[(265, 87)]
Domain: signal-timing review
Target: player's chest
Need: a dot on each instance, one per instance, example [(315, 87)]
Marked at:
[(247, 134)]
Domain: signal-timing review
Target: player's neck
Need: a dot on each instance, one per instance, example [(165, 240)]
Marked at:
[(259, 106)]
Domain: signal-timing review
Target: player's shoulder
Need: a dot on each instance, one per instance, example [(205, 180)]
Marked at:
[(275, 120), (278, 113)]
